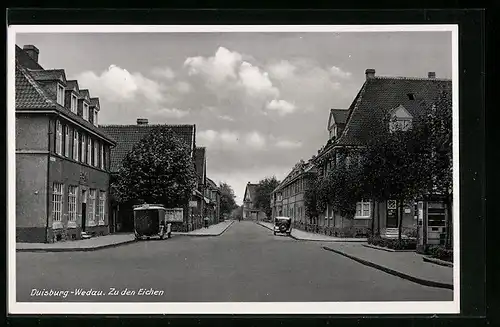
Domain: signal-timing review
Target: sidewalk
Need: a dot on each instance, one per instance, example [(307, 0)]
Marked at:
[(306, 236), (407, 265), (90, 244), (212, 230)]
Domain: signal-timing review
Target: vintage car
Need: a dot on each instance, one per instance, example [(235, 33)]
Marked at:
[(149, 221), (282, 225)]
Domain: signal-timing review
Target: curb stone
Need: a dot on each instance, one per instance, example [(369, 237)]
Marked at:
[(85, 249), (417, 280), (204, 235), (385, 249), (438, 261)]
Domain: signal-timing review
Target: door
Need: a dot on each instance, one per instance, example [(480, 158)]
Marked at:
[(84, 209), (392, 214)]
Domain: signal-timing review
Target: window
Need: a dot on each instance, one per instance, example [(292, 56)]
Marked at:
[(363, 209), (101, 156), (91, 207), (83, 157), (95, 162), (74, 103), (66, 141), (95, 117), (72, 203), (76, 150), (57, 201), (89, 150), (59, 137), (60, 94), (85, 111), (400, 125), (100, 208)]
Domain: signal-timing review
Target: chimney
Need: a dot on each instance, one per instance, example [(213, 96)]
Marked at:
[(431, 74), (142, 121), (32, 51), (370, 73)]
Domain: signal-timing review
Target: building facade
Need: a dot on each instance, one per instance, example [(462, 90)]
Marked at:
[(126, 137), (62, 156), (212, 192), (250, 209)]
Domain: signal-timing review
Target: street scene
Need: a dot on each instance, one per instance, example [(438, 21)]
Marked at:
[(234, 167)]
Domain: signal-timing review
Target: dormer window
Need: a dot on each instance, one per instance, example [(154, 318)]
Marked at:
[(333, 131), (60, 94), (74, 103), (95, 117), (401, 120), (85, 111)]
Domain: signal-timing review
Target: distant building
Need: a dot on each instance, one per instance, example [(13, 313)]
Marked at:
[(212, 192), (62, 156), (126, 137), (250, 209)]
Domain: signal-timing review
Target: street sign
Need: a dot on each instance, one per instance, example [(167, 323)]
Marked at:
[(174, 215)]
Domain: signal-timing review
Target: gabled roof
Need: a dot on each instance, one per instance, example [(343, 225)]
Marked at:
[(48, 75), (72, 85), (94, 102), (200, 163), (251, 189), (338, 115), (380, 95), (212, 184), (25, 60), (129, 135), (32, 97), (85, 94)]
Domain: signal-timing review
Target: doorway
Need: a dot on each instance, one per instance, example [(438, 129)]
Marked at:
[(392, 214), (84, 209)]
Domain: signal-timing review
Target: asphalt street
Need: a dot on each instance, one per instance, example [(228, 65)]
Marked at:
[(246, 263)]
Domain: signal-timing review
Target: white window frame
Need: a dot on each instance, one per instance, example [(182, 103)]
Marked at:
[(57, 202), (101, 159), (96, 153), (60, 94), (89, 150), (66, 141), (400, 124), (362, 210), (102, 207), (72, 203), (83, 156), (74, 103), (95, 117), (76, 145), (85, 111), (59, 139), (91, 207)]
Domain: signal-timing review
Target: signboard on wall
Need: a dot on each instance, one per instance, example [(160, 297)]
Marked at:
[(174, 215), (193, 204)]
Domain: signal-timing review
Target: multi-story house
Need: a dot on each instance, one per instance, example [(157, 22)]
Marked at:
[(129, 135), (250, 209), (212, 192), (404, 100), (62, 156), (288, 198)]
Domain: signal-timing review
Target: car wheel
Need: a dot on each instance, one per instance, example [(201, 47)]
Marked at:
[(274, 233), (162, 237), (169, 235)]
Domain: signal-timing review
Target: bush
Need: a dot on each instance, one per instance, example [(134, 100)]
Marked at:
[(394, 244), (411, 232), (441, 253)]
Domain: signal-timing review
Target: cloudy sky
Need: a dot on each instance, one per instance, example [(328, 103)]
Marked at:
[(260, 101)]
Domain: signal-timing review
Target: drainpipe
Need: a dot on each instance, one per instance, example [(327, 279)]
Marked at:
[(48, 184)]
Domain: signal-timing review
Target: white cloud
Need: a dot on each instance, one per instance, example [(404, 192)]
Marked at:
[(282, 70), (225, 117), (218, 69), (255, 81), (183, 87), (218, 138), (338, 72), (281, 106), (118, 85), (286, 144), (165, 72), (255, 140), (172, 112)]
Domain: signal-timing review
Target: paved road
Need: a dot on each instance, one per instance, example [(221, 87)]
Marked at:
[(246, 263)]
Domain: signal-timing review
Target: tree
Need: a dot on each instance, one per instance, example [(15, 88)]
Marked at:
[(311, 197), (158, 169), (227, 198), (263, 193)]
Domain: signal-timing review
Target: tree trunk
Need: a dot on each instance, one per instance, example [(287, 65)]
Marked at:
[(378, 218), (400, 220), (373, 220), (449, 223)]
